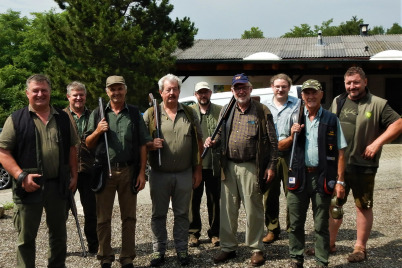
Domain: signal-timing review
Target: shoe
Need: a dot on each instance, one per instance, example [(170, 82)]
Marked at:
[(295, 264), (193, 241), (128, 265), (106, 265), (215, 241), (93, 250), (321, 266), (157, 259), (257, 259), (183, 258), (270, 238), (224, 256), (359, 254)]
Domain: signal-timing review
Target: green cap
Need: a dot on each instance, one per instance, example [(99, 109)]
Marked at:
[(311, 83)]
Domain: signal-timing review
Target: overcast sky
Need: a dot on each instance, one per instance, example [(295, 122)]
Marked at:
[(226, 19)]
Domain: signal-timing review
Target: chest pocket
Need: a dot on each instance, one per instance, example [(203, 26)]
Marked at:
[(251, 128)]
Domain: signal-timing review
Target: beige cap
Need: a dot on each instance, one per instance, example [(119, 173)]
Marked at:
[(114, 79), (201, 85)]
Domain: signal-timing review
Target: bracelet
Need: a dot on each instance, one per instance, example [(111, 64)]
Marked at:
[(341, 183), (21, 177)]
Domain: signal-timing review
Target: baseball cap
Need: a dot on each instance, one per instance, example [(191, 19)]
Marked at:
[(114, 79), (201, 85), (311, 83), (239, 78)]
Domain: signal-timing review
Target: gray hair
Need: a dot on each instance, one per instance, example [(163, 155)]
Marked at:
[(38, 78), (75, 85), (169, 77)]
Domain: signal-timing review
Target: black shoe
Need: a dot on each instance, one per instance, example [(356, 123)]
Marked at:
[(183, 258), (157, 259), (224, 256), (106, 265), (128, 265)]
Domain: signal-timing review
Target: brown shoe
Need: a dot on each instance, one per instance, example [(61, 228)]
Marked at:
[(224, 256), (257, 259), (270, 238), (311, 251), (294, 264), (359, 254), (193, 241), (215, 241)]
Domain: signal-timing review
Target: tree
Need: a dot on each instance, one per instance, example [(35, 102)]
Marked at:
[(303, 31), (395, 29), (254, 32), (377, 30), (94, 39)]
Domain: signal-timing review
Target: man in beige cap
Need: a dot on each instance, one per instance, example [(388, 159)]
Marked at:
[(208, 115), (126, 136)]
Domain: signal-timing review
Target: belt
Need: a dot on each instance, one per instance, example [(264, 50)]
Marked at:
[(120, 164), (311, 169)]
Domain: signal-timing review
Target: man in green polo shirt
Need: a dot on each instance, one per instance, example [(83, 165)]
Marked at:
[(37, 148), (126, 136)]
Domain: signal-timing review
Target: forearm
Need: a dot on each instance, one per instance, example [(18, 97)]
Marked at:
[(8, 162), (392, 132), (92, 140), (73, 163), (341, 165), (143, 158), (285, 144)]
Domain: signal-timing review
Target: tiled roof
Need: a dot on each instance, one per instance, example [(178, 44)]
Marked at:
[(349, 46)]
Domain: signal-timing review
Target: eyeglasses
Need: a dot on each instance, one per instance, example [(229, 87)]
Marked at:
[(244, 88)]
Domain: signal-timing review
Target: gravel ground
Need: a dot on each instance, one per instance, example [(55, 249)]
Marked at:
[(384, 246)]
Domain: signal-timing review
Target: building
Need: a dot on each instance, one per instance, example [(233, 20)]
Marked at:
[(325, 58)]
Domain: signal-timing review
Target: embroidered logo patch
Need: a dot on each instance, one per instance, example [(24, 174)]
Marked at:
[(368, 114)]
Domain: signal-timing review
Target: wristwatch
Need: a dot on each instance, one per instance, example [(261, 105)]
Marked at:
[(21, 177), (341, 183)]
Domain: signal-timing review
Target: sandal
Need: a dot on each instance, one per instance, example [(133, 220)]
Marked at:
[(359, 254), (311, 251)]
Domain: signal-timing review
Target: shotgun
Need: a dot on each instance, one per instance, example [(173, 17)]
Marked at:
[(293, 181), (75, 214), (224, 117), (153, 102), (102, 115)]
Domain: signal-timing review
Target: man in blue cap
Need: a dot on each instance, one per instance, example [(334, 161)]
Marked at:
[(249, 155)]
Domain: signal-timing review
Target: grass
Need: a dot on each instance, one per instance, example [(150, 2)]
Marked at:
[(8, 205)]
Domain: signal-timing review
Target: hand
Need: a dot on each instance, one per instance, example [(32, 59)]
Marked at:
[(28, 183), (158, 143), (73, 184), (371, 151), (103, 126), (296, 128), (340, 191), (209, 142), (269, 175), (140, 181)]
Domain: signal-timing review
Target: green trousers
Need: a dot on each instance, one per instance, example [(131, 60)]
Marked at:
[(298, 204), (27, 218)]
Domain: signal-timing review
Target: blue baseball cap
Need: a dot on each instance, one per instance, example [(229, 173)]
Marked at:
[(239, 78)]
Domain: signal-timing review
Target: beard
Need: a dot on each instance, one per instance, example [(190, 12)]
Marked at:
[(205, 101)]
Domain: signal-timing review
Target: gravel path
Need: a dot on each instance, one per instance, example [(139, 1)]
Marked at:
[(384, 246)]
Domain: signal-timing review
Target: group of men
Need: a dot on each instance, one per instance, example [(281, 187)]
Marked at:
[(317, 154)]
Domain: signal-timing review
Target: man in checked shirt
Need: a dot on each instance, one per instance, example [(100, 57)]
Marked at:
[(249, 156)]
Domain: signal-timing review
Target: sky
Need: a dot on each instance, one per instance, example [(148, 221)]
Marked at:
[(228, 19)]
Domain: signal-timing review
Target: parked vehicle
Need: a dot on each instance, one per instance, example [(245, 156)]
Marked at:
[(5, 179), (260, 94)]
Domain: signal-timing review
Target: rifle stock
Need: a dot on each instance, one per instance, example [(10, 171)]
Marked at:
[(75, 214), (154, 103), (102, 115), (224, 117)]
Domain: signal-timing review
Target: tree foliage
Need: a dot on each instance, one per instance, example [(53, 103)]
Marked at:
[(94, 39), (350, 27), (254, 32)]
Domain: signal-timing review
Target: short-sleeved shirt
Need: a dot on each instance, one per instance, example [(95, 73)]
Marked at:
[(177, 152), (120, 136), (311, 148), (243, 138), (49, 143), (283, 115)]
